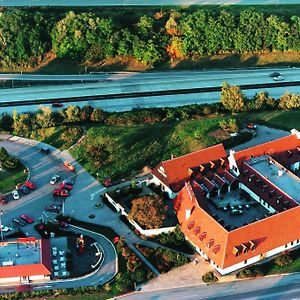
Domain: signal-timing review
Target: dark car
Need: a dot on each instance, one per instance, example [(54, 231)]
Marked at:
[(44, 150), (24, 189), (19, 222), (275, 74), (68, 181), (53, 208), (57, 104)]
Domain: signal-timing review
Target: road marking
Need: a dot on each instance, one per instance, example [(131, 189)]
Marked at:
[(97, 192)]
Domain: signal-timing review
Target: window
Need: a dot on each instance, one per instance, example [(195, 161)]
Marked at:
[(285, 246), (292, 243), (245, 261)]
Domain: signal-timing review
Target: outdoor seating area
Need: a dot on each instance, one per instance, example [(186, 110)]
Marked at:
[(233, 210), (58, 255)]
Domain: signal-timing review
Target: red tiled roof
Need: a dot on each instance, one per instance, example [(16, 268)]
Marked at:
[(42, 268), (272, 148), (174, 172)]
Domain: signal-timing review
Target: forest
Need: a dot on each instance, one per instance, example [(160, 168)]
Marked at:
[(151, 38)]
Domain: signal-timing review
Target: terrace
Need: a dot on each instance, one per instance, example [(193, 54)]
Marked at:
[(278, 175), (234, 209), (17, 253)]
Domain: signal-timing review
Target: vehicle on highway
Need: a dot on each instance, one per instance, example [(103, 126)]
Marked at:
[(251, 126), (68, 181), (15, 195), (65, 186), (61, 192), (44, 150), (30, 185), (275, 74), (53, 208), (54, 179), (69, 166), (24, 189), (5, 228), (26, 218), (57, 104), (19, 222), (278, 78)]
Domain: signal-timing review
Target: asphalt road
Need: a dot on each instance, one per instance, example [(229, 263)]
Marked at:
[(42, 168), (139, 2), (149, 82)]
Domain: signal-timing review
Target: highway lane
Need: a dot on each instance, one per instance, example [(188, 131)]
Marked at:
[(147, 82), (139, 2), (156, 101)]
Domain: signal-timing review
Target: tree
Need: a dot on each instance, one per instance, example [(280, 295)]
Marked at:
[(44, 118), (148, 211), (139, 276), (6, 161), (23, 124), (98, 115), (289, 101), (283, 260), (6, 122), (123, 282), (232, 98), (72, 114), (97, 155), (229, 125), (86, 112)]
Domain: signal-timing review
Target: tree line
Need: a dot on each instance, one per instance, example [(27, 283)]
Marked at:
[(150, 38), (232, 99)]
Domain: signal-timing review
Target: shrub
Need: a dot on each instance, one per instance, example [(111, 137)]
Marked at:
[(283, 260), (250, 272), (210, 277)]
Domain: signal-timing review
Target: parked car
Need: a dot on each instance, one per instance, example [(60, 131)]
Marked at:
[(65, 186), (68, 181), (44, 150), (54, 179), (15, 195), (26, 218), (57, 104), (24, 189), (69, 166), (30, 185), (3, 200), (107, 182), (53, 208), (61, 192), (19, 222), (5, 228), (251, 126)]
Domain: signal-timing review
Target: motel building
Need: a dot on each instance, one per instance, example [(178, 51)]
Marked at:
[(24, 260), (239, 209)]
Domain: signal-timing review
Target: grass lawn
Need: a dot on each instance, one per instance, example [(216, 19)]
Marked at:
[(9, 179), (284, 119), (62, 137), (133, 147)]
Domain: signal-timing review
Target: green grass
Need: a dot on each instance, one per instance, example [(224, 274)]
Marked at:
[(9, 179), (62, 137), (98, 296), (133, 147), (284, 119)]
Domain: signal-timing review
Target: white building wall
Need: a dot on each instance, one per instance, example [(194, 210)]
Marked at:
[(232, 163), (38, 277), (164, 188), (10, 280), (256, 198)]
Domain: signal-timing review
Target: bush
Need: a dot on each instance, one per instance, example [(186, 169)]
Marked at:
[(250, 272), (243, 137), (283, 260), (210, 277)]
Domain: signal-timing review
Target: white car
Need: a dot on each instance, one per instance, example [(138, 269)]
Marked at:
[(5, 228), (278, 78), (54, 179), (15, 195)]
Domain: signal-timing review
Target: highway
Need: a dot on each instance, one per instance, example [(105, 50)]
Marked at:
[(140, 3), (144, 85)]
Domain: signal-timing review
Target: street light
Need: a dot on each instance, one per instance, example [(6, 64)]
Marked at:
[(1, 213)]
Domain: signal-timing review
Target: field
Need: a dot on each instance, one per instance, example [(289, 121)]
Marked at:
[(131, 148)]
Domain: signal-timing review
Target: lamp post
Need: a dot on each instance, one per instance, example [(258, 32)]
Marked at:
[(1, 213)]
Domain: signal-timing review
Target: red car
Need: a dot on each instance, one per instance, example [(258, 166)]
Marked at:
[(61, 192), (251, 126), (30, 184), (3, 200), (57, 104), (27, 219), (65, 186), (107, 182), (69, 166)]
